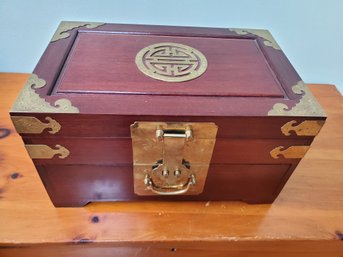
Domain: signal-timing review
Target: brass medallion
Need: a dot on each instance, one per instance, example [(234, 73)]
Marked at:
[(171, 62)]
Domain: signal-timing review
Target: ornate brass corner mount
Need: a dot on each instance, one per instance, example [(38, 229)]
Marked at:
[(305, 128), (292, 152), (265, 34), (307, 106), (29, 101), (46, 152), (32, 125), (66, 26)]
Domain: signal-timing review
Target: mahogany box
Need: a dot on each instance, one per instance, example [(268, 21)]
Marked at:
[(134, 112)]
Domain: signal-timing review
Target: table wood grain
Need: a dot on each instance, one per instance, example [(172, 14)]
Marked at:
[(305, 220)]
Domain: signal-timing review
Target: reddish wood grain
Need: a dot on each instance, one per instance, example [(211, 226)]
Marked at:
[(265, 71), (104, 63)]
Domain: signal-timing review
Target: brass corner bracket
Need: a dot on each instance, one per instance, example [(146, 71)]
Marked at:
[(305, 128), (292, 152), (268, 39), (30, 101), (46, 152), (307, 106), (63, 30), (32, 125)]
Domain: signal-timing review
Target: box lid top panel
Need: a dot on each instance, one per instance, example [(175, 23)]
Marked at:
[(104, 63), (160, 70)]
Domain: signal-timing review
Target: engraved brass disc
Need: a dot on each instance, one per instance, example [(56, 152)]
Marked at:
[(171, 62)]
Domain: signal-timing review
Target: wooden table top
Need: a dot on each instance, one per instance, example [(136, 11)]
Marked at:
[(306, 219)]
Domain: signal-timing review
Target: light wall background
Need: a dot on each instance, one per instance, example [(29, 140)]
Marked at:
[(310, 32)]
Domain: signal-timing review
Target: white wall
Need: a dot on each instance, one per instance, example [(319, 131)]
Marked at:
[(309, 32)]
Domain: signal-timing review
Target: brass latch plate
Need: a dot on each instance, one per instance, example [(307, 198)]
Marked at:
[(171, 158)]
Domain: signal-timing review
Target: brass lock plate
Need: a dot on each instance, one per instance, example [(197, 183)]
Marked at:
[(171, 158)]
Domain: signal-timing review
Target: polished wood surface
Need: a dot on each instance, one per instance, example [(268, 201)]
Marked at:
[(110, 69), (95, 69), (305, 220)]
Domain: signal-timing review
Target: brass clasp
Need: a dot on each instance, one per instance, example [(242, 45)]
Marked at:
[(171, 158), (171, 174)]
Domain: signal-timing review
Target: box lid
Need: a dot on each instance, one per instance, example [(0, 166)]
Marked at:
[(96, 68)]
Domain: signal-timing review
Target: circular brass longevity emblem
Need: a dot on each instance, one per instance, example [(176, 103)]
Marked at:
[(171, 62)]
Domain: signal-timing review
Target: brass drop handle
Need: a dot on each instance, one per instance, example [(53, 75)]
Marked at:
[(169, 190)]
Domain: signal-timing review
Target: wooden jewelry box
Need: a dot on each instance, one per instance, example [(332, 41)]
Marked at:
[(134, 112)]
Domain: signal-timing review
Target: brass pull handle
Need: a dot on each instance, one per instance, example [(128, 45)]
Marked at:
[(169, 190)]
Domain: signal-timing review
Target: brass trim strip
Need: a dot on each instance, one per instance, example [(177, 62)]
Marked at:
[(32, 125), (292, 152), (66, 26), (46, 152), (265, 34), (307, 106), (30, 101), (305, 128)]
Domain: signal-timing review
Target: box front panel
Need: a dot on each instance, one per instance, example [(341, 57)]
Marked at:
[(240, 161)]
